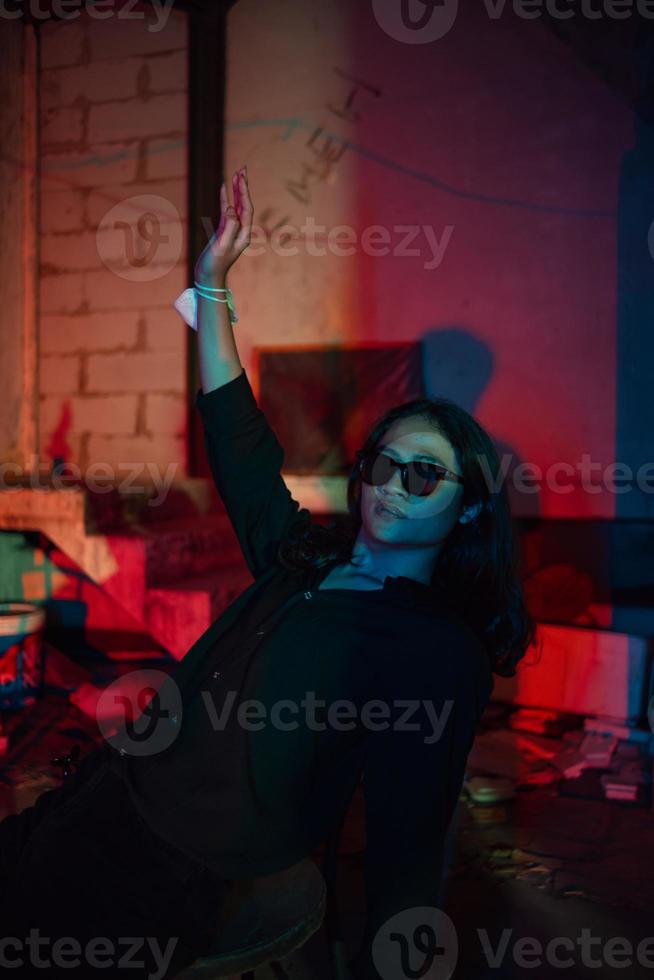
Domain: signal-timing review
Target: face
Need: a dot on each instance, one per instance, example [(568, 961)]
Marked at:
[(427, 520)]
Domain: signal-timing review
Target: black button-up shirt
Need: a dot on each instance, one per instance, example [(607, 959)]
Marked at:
[(246, 797)]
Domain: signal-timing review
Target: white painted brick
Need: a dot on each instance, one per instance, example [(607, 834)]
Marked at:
[(151, 371), (98, 166), (166, 414), (138, 32), (167, 158), (168, 72), (138, 118), (174, 195), (61, 42), (61, 293), (105, 290), (61, 211), (59, 375), (165, 454), (101, 414), (61, 126), (165, 330), (88, 332), (70, 252), (103, 81)]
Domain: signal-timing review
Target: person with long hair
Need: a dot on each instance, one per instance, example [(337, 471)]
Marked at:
[(367, 646)]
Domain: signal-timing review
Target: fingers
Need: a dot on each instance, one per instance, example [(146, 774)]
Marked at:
[(246, 214), (236, 190), (235, 221), (229, 231)]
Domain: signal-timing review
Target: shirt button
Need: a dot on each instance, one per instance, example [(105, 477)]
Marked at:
[(216, 673)]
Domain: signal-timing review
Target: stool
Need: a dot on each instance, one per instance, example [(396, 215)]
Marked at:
[(264, 919)]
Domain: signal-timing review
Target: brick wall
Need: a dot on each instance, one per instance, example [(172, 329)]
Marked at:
[(113, 128)]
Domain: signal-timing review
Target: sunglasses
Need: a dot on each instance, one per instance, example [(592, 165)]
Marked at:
[(419, 477)]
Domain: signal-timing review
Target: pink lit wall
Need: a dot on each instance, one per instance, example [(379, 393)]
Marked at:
[(501, 153)]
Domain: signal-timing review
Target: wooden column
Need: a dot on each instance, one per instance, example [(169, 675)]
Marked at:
[(18, 244)]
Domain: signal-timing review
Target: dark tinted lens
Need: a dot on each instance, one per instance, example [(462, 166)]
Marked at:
[(376, 469), (423, 477)]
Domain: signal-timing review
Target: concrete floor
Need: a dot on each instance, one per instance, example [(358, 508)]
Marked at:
[(542, 865)]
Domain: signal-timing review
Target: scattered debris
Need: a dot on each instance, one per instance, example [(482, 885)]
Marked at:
[(606, 726), (489, 814), (598, 748), (630, 777), (543, 721), (489, 789), (509, 753)]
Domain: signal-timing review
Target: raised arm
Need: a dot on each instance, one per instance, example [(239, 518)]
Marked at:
[(219, 360), (411, 783), (244, 454), (246, 459)]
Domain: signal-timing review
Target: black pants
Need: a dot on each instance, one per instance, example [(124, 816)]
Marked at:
[(81, 866)]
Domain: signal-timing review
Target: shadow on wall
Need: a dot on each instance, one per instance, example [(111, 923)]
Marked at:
[(459, 366)]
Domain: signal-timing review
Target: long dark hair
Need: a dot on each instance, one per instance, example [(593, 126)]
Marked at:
[(478, 566)]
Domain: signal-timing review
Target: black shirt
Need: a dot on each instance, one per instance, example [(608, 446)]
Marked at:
[(249, 802)]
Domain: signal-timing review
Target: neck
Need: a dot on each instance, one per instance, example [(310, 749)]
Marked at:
[(377, 561)]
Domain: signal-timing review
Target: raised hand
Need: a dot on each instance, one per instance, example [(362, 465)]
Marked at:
[(232, 236)]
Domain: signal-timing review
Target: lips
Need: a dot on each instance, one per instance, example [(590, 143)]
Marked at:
[(391, 510)]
